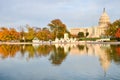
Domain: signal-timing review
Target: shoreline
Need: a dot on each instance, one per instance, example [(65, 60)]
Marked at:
[(52, 43)]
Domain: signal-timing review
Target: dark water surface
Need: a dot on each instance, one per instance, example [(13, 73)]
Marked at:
[(60, 62)]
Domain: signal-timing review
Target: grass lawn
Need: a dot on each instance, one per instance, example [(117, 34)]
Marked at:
[(88, 39)]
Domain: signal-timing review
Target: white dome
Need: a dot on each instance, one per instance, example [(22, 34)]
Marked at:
[(104, 19)]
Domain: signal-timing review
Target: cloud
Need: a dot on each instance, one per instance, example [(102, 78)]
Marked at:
[(40, 12)]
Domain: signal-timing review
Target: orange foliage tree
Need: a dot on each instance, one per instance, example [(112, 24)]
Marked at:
[(44, 34), (58, 28), (9, 34)]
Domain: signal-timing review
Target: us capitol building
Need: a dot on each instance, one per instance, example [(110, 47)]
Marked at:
[(96, 31)]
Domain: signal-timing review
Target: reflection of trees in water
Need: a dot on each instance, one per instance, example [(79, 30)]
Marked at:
[(58, 55), (80, 47), (22, 50), (44, 50), (8, 50), (41, 50), (118, 50), (115, 53), (83, 47), (30, 49)]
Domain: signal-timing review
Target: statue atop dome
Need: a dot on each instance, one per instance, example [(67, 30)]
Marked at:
[(103, 10)]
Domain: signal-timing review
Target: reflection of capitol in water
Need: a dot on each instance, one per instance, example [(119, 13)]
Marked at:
[(94, 50), (97, 50), (57, 53)]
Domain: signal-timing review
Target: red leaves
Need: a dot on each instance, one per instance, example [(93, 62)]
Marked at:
[(117, 34)]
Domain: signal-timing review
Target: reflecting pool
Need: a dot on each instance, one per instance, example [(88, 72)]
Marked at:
[(60, 62)]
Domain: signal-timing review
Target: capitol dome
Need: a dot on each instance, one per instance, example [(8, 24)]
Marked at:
[(104, 19)]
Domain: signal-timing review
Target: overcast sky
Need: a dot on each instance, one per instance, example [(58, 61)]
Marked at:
[(74, 13)]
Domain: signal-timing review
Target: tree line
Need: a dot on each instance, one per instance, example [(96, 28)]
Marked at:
[(56, 29)]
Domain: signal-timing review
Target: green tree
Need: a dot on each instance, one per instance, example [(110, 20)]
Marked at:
[(80, 34), (87, 33)]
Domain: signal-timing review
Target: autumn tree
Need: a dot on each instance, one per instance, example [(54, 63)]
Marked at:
[(3, 33), (112, 28), (9, 34), (44, 34), (117, 34), (13, 34), (58, 28), (29, 36)]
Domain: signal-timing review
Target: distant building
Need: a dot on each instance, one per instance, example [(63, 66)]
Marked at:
[(96, 31)]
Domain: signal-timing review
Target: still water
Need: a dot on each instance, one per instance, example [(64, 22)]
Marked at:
[(60, 62)]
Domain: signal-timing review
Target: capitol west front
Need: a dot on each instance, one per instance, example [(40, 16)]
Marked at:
[(96, 31)]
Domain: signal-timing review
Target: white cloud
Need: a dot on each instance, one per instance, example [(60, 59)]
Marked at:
[(41, 12)]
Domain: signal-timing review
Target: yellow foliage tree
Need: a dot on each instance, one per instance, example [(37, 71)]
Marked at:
[(29, 36)]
